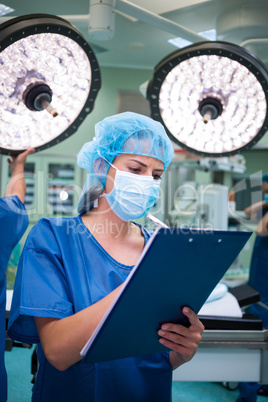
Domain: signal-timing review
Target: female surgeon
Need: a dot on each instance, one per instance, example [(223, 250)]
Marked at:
[(71, 269), (13, 223)]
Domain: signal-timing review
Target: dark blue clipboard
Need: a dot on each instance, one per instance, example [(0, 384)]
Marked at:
[(178, 267)]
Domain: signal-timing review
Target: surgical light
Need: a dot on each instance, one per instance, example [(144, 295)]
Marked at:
[(211, 97), (49, 79)]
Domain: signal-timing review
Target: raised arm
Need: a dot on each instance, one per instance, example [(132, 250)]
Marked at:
[(16, 184)]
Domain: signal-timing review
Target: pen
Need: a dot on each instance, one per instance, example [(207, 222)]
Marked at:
[(157, 221)]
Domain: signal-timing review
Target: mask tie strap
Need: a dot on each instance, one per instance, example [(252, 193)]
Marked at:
[(106, 160), (103, 157)]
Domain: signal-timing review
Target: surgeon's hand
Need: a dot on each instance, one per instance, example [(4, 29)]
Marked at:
[(16, 163), (182, 341)]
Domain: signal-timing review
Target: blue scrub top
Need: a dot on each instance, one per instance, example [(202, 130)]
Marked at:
[(13, 223), (258, 277), (63, 269)]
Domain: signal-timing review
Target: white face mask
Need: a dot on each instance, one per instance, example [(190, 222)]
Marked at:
[(132, 195)]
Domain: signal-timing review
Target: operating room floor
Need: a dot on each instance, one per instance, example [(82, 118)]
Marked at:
[(18, 364)]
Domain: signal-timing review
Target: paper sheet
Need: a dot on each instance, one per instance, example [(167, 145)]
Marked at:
[(227, 306)]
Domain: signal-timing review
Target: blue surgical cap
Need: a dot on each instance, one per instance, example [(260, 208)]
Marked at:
[(123, 133), (265, 177)]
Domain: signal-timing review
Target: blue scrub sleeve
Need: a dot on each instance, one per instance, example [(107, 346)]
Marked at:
[(41, 286), (13, 223), (13, 215)]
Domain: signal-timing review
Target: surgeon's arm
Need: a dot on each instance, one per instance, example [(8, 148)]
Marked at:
[(262, 228), (16, 184), (252, 210), (63, 339)]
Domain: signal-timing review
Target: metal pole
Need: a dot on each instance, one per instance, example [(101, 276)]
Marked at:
[(157, 21)]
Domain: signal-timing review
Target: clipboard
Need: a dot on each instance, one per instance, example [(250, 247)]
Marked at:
[(178, 267)]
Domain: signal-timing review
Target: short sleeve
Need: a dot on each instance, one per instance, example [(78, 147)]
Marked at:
[(41, 287), (13, 223)]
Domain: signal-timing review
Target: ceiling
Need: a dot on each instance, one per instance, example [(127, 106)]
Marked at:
[(139, 44)]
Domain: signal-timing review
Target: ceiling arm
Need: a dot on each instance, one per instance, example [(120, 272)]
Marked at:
[(157, 21), (132, 10), (255, 41)]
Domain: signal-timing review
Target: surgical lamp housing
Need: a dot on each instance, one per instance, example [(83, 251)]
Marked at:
[(211, 97), (49, 80)]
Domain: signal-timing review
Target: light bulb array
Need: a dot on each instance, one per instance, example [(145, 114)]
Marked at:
[(49, 54), (211, 104), (51, 58)]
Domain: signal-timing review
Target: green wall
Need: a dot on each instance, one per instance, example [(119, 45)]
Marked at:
[(256, 160)]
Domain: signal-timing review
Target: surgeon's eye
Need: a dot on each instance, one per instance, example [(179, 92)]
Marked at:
[(157, 177), (135, 170)]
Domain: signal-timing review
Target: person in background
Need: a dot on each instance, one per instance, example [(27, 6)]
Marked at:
[(258, 279), (13, 223), (78, 266)]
